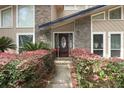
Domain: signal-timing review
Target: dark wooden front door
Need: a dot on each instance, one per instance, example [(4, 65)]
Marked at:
[(63, 45)]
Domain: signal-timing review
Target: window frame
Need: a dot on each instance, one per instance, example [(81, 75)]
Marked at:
[(115, 9), (75, 8), (109, 43), (98, 14), (104, 42), (3, 9), (17, 20), (17, 39)]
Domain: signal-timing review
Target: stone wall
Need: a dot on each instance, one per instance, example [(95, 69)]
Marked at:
[(83, 33), (42, 15)]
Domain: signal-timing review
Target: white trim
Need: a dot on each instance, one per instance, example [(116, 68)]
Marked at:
[(34, 24), (8, 7), (17, 39), (70, 8), (103, 12), (104, 42), (109, 43), (60, 33), (115, 9), (17, 20), (75, 8)]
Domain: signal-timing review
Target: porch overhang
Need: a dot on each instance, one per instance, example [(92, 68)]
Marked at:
[(71, 17)]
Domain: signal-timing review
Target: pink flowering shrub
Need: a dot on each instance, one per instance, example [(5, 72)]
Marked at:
[(27, 54), (28, 69), (6, 58), (84, 54), (96, 71)]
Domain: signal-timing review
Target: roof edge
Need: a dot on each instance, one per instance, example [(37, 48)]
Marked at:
[(70, 16)]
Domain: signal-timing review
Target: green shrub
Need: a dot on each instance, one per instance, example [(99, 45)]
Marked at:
[(9, 74), (35, 46), (31, 72), (91, 74), (5, 43)]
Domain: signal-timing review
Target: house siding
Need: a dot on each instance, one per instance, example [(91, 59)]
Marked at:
[(83, 33), (11, 32), (108, 26)]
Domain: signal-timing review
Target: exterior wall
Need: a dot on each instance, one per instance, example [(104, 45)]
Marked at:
[(83, 33), (53, 12), (67, 27), (11, 32), (42, 15), (108, 26), (68, 12)]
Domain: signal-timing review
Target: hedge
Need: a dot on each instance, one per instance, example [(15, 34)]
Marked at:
[(94, 71), (29, 69)]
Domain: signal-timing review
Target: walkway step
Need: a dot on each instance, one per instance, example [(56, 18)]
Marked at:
[(62, 78)]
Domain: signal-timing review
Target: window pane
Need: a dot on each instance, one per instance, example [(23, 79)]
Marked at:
[(98, 41), (23, 39), (69, 7), (25, 16), (115, 14), (98, 52), (115, 41), (81, 7), (115, 53), (6, 18), (99, 16)]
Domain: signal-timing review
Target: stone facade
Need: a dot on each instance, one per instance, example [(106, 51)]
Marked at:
[(83, 33), (42, 15)]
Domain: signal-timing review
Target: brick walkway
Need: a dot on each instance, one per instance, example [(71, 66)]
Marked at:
[(62, 78)]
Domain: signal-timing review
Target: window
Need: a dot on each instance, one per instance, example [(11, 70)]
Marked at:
[(75, 7), (69, 7), (115, 45), (25, 16), (98, 44), (6, 17), (98, 16), (115, 13), (23, 39)]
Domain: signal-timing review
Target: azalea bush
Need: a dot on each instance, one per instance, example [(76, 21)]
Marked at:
[(28, 69), (95, 71)]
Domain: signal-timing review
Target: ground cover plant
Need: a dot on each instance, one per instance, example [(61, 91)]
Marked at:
[(94, 71)]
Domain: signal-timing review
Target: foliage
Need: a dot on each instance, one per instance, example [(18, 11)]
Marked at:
[(94, 71), (32, 71), (35, 46), (5, 43), (6, 58)]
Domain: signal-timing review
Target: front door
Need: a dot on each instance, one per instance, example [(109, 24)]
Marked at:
[(63, 43)]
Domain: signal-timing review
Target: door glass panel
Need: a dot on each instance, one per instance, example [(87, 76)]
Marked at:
[(63, 42), (70, 40)]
